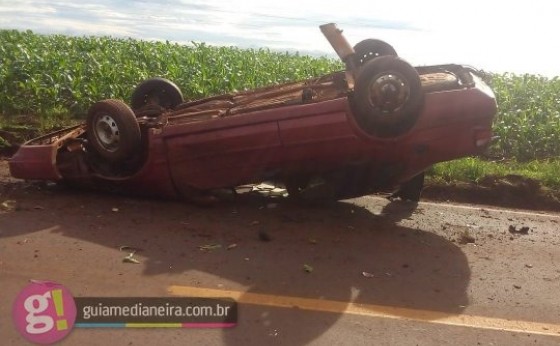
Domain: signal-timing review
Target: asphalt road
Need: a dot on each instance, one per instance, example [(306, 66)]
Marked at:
[(378, 272)]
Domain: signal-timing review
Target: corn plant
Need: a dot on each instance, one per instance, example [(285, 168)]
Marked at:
[(528, 121)]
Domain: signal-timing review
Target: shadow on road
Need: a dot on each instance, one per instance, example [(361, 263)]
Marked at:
[(356, 256)]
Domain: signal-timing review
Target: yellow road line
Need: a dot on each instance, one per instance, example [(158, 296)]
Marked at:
[(371, 310)]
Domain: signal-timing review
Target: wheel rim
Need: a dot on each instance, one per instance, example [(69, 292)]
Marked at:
[(389, 92), (107, 132)]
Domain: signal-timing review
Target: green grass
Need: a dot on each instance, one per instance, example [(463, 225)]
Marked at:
[(474, 169), (52, 80)]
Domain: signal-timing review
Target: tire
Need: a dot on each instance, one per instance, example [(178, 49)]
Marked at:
[(412, 189), (369, 49), (388, 97), (158, 91), (112, 130)]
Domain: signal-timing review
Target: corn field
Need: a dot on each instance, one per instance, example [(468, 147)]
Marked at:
[(528, 121), (53, 76), (42, 75)]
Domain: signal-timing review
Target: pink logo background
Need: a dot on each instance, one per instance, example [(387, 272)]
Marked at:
[(44, 312)]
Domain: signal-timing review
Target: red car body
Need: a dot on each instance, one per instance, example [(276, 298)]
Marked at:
[(194, 152), (373, 127)]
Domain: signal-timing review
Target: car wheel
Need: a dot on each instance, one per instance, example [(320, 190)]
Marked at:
[(370, 49), (112, 130), (412, 189), (159, 91), (387, 96)]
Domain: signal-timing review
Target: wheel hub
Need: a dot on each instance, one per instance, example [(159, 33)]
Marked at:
[(389, 92), (107, 131)]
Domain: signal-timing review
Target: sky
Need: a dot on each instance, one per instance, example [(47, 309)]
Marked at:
[(496, 36)]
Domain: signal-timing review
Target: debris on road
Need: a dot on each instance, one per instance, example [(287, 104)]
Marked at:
[(517, 287), (244, 189), (524, 230), (115, 210), (231, 246), (208, 247), (269, 190), (368, 275), (307, 268), (129, 248), (9, 205), (130, 259)]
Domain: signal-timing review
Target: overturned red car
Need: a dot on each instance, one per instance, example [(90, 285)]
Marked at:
[(377, 125)]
